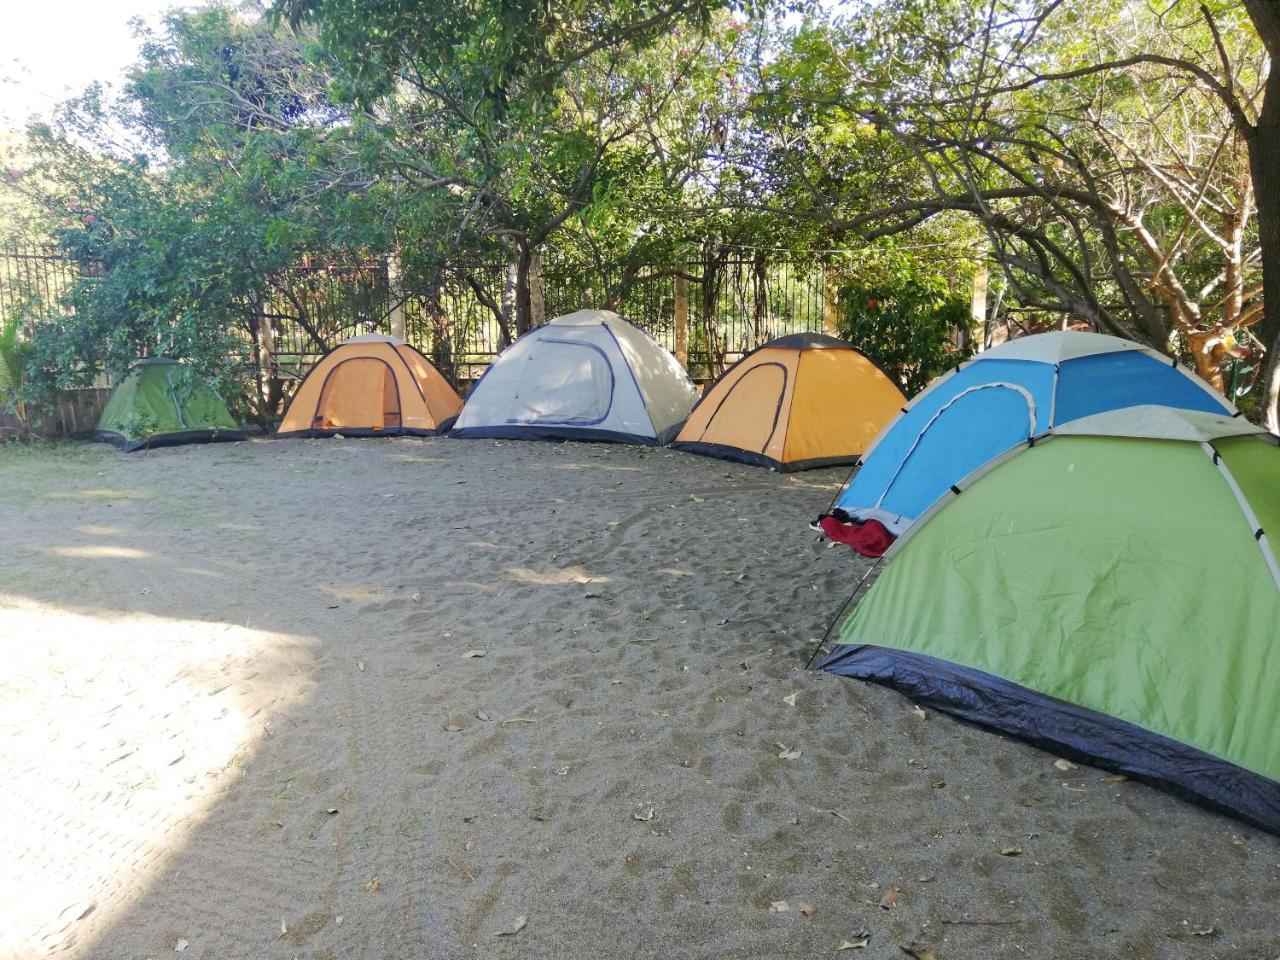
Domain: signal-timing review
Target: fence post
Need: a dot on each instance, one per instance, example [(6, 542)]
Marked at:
[(978, 304), (267, 377), (830, 300), (396, 287), (682, 317)]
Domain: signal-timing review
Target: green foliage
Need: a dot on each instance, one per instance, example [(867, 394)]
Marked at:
[(19, 216), (1105, 194), (619, 144), (141, 424), (509, 54), (14, 352), (505, 127), (222, 167), (910, 328)]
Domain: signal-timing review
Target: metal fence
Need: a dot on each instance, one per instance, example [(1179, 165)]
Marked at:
[(34, 279), (732, 305), (733, 300)]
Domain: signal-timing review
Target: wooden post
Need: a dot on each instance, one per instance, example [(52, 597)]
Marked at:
[(537, 293), (396, 288), (682, 318), (830, 301), (978, 304), (268, 381)]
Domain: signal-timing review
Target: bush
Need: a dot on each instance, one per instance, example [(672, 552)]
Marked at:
[(910, 329)]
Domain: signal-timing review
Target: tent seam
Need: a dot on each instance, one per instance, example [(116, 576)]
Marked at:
[(1251, 518)]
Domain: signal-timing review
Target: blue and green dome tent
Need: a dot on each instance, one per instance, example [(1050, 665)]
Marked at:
[(1110, 593), (1001, 398)]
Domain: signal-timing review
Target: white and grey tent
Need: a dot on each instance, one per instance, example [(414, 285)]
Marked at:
[(588, 375)]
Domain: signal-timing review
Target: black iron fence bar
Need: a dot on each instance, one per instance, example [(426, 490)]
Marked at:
[(744, 299)]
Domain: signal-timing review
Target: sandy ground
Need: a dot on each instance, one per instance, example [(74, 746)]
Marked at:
[(238, 719)]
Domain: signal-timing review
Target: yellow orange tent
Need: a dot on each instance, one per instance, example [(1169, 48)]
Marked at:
[(800, 401), (371, 385)]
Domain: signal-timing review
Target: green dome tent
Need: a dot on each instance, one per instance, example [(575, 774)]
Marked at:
[(1109, 593), (162, 403)]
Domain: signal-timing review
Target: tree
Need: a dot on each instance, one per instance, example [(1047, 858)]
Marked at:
[(14, 352), (502, 123), (1262, 133), (20, 219), (191, 198), (908, 325), (1094, 145)]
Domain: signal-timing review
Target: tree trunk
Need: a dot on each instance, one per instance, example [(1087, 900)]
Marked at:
[(537, 293), (395, 288), (1269, 388), (830, 300), (442, 354), (1264, 162), (713, 261), (499, 310), (1264, 165), (270, 386), (760, 299), (978, 299), (682, 318), (511, 300), (523, 261)]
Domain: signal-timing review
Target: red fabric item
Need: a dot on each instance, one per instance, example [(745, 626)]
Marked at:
[(871, 538)]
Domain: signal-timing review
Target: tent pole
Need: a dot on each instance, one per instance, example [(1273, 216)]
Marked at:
[(843, 609)]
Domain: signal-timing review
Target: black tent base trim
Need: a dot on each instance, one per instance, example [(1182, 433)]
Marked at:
[(818, 462), (737, 455), (721, 452), (1066, 729), (517, 432), (440, 431), (177, 438)]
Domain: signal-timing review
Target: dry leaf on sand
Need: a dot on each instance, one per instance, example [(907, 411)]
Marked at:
[(643, 814), (180, 946), (787, 753), (854, 944), (1010, 851), (474, 654), (790, 699), (519, 924), (807, 909), (891, 899), (1065, 765), (779, 906), (453, 726)]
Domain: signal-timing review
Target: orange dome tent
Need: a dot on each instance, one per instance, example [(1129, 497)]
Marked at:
[(371, 386), (801, 401)]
